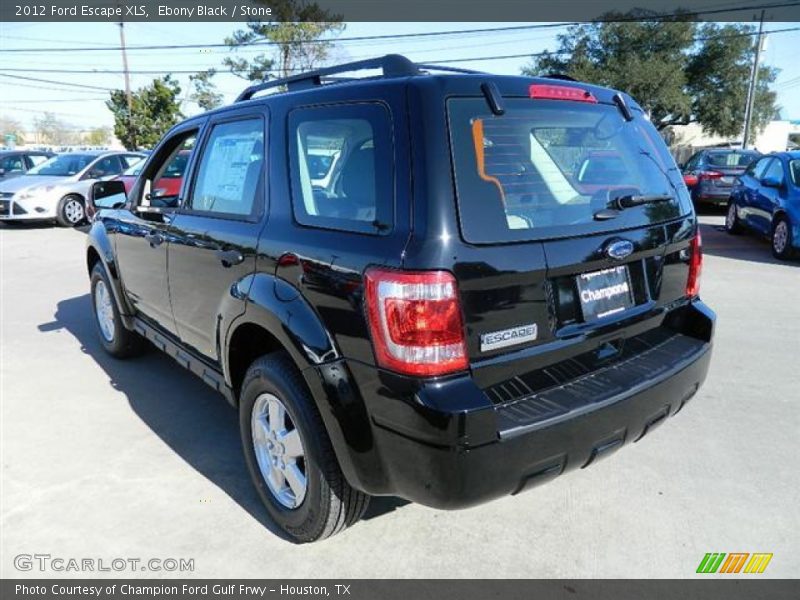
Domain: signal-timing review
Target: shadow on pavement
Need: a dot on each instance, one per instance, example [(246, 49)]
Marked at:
[(194, 421), (747, 246)]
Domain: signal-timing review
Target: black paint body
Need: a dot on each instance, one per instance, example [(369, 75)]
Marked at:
[(520, 415)]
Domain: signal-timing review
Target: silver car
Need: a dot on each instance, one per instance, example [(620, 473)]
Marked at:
[(57, 188)]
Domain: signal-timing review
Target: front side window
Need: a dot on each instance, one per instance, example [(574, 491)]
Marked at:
[(545, 168), (759, 168), (230, 170), (161, 189), (774, 171), (342, 167)]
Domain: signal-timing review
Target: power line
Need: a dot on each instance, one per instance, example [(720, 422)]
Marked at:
[(65, 83), (444, 61), (361, 38)]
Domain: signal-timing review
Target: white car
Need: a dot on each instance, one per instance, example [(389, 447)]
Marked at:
[(57, 188)]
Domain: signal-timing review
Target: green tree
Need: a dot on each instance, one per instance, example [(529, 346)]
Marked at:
[(52, 130), (154, 110), (679, 71), (98, 136), (205, 93), (300, 38)]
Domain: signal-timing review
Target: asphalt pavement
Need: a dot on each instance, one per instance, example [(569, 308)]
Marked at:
[(105, 459)]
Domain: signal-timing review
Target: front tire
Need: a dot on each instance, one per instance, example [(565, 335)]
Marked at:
[(732, 223), (114, 337), (71, 211), (781, 238), (289, 455)]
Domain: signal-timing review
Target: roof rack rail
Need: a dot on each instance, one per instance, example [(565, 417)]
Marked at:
[(392, 65)]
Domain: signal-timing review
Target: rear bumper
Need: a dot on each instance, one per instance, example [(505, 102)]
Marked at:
[(446, 445), (713, 194)]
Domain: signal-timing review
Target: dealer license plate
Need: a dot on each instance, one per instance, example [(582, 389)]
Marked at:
[(604, 293)]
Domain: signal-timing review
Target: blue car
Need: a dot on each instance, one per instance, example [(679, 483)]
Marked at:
[(766, 199)]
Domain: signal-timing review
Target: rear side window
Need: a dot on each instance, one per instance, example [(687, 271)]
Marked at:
[(546, 167), (794, 169), (230, 170), (341, 161)]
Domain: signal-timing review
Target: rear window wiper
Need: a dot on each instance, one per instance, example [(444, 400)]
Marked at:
[(631, 200), (628, 201)]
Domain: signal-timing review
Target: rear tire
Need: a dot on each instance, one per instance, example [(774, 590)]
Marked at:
[(732, 223), (118, 341), (71, 211), (781, 238), (276, 405)]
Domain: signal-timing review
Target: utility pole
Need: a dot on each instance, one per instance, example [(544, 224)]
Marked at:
[(751, 89), (125, 70)]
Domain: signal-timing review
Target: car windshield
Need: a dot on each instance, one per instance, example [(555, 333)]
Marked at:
[(794, 170), (546, 167), (731, 160), (63, 165)]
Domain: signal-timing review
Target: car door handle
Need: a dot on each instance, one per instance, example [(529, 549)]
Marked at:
[(229, 258), (154, 239)]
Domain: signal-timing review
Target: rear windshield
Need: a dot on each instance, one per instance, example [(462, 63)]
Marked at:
[(732, 160), (544, 168)]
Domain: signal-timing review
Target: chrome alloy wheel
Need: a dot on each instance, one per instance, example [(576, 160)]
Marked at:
[(781, 237), (279, 451), (73, 211), (104, 310)]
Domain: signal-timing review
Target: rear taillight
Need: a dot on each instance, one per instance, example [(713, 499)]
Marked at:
[(415, 319), (709, 175), (695, 266), (546, 91)]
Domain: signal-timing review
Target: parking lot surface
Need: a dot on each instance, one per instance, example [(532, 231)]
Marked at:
[(106, 459)]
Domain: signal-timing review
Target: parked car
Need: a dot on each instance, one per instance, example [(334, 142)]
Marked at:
[(14, 163), (449, 319), (57, 188), (766, 200), (710, 173)]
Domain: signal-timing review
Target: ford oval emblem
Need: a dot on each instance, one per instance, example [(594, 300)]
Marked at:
[(620, 249)]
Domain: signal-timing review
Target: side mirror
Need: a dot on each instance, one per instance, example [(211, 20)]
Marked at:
[(105, 194), (771, 181)]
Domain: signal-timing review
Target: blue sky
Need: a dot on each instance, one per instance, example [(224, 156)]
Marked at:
[(83, 108)]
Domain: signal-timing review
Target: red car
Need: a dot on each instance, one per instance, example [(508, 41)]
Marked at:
[(169, 184)]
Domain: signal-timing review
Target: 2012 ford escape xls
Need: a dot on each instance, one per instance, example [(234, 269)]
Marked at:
[(444, 286)]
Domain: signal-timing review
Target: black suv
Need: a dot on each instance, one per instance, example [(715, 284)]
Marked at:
[(444, 286)]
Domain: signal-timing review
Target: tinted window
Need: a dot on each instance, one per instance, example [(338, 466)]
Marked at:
[(63, 165), (342, 167), (544, 168), (230, 169)]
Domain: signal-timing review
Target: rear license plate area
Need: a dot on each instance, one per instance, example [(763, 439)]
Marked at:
[(605, 292)]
